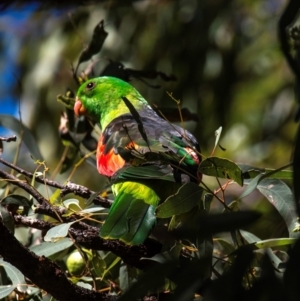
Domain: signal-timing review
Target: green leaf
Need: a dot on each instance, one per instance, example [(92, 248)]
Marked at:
[(223, 247), (57, 233), (92, 210), (252, 239), (69, 202), (275, 242), (84, 284), (7, 219), (252, 184), (222, 250), (16, 277), (208, 197), (280, 174), (124, 277), (250, 172), (17, 200), (10, 122), (281, 197), (218, 136), (221, 168), (187, 197), (48, 249), (5, 290)]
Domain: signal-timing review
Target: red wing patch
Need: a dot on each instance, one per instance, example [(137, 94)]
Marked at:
[(108, 164)]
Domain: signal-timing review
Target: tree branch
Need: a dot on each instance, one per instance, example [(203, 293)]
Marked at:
[(43, 272), (84, 234), (32, 222), (88, 237), (28, 188), (65, 189)]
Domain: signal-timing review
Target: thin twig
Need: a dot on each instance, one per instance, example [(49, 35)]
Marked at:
[(65, 189), (9, 139), (25, 186)]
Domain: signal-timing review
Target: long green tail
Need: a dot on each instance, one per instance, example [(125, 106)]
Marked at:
[(132, 215)]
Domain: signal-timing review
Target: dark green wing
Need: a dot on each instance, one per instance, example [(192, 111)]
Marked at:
[(165, 143)]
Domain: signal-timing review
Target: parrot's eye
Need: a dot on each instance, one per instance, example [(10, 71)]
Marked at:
[(90, 85)]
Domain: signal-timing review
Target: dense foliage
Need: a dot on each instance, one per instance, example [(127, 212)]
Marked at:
[(233, 237)]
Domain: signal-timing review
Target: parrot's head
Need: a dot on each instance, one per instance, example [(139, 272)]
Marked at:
[(101, 99)]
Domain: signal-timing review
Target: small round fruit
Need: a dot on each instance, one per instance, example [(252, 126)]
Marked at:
[(75, 263)]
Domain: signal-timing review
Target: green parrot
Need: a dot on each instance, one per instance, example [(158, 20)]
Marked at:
[(146, 157)]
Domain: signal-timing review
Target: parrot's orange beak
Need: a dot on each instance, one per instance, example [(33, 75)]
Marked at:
[(79, 109)]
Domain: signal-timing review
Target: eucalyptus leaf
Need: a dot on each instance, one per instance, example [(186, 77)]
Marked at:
[(57, 233), (187, 197), (5, 290), (223, 246), (221, 168), (93, 209), (208, 197), (275, 242), (48, 249), (84, 284), (253, 239), (69, 202), (251, 186), (16, 277), (218, 135), (250, 172), (281, 197), (124, 277), (253, 183), (17, 200)]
